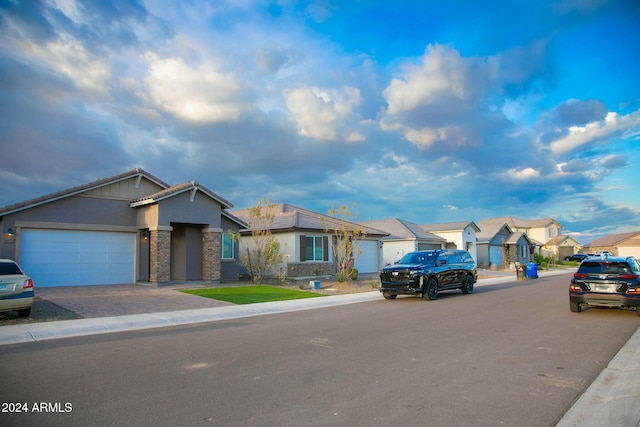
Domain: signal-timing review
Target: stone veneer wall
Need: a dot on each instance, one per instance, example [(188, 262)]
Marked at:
[(160, 256), (308, 269), (211, 254)]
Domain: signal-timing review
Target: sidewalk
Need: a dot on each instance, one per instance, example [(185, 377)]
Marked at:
[(612, 399)]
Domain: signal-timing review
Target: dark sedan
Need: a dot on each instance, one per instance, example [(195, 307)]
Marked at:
[(576, 257)]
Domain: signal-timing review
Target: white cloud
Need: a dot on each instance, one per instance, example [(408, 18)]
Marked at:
[(612, 125), (69, 57), (321, 113), (523, 174), (201, 94), (441, 73)]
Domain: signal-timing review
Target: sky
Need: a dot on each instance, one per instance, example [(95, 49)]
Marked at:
[(426, 111)]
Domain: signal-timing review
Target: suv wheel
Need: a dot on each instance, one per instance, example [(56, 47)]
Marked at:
[(575, 307), (431, 290), (467, 288), (387, 295)]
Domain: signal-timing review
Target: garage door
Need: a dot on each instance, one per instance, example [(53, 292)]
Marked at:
[(367, 261), (72, 258)]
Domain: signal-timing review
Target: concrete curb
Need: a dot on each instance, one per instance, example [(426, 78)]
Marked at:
[(613, 399)]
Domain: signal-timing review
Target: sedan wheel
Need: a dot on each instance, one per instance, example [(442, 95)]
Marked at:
[(25, 312), (575, 307), (431, 290)]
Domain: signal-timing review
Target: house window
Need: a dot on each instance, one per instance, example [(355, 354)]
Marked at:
[(313, 248), (227, 246)]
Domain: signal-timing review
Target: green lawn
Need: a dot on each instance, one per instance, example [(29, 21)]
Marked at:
[(251, 294)]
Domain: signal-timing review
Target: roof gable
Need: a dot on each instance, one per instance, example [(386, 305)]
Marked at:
[(491, 228), (612, 239), (450, 226), (399, 229), (192, 187), (138, 174)]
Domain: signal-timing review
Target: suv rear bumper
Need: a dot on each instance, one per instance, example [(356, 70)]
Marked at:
[(605, 300)]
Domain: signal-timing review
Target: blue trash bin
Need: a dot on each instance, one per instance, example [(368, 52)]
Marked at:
[(532, 270)]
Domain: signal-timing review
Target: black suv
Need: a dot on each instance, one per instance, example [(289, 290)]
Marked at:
[(606, 282), (425, 273)]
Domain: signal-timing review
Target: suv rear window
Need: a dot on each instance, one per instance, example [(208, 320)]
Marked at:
[(7, 268), (604, 267)]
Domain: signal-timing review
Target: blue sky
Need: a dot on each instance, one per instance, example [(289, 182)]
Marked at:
[(417, 110)]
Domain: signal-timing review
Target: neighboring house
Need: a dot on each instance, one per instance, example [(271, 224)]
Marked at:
[(543, 234), (519, 248), (561, 246), (492, 237), (404, 237), (459, 235), (624, 244), (127, 228), (305, 238)]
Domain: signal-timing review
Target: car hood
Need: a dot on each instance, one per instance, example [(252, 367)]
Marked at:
[(400, 267)]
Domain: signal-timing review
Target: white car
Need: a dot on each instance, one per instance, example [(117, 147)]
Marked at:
[(16, 289)]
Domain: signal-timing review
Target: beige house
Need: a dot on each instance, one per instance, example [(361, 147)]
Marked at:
[(404, 237), (624, 244), (305, 241), (459, 235)]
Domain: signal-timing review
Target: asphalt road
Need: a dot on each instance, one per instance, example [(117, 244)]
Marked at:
[(509, 355)]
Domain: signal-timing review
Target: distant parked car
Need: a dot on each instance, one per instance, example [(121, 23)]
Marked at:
[(606, 282), (603, 253), (16, 289), (576, 257), (425, 273)]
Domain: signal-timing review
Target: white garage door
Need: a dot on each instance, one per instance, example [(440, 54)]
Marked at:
[(367, 261), (71, 258)]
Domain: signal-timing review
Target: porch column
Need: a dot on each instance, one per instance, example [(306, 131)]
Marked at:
[(160, 254), (211, 254)]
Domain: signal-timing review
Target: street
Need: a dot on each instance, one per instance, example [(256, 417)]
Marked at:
[(511, 354)]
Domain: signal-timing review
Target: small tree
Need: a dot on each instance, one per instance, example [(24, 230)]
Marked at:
[(263, 253), (343, 248)]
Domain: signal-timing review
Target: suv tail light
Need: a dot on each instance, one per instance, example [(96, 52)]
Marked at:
[(580, 275), (27, 284), (629, 276), (575, 288)]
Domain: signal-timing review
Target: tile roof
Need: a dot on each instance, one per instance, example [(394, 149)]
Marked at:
[(450, 226), (179, 189), (399, 229), (612, 239), (80, 189), (523, 223), (489, 228), (290, 217)]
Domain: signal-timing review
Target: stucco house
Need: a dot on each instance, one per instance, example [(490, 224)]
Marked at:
[(623, 244), (459, 235), (128, 228), (560, 247), (543, 234), (492, 237), (404, 237), (305, 238)]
